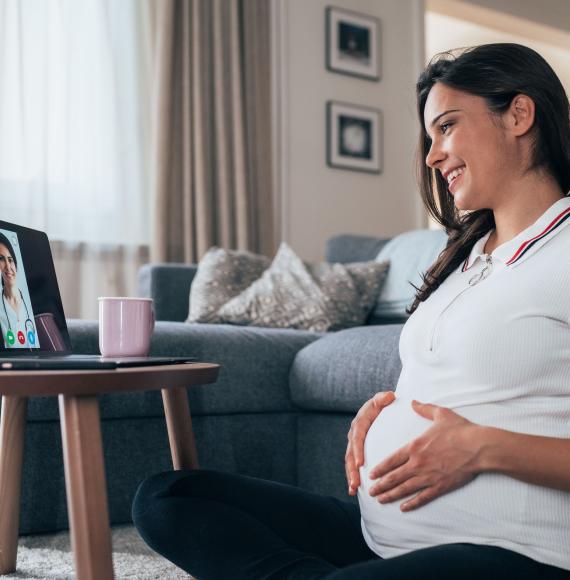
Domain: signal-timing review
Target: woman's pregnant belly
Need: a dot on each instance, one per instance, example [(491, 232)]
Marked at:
[(397, 425), (464, 515)]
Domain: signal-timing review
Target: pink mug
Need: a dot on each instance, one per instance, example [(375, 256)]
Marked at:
[(125, 326)]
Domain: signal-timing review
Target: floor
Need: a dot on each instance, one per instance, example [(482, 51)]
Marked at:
[(49, 557)]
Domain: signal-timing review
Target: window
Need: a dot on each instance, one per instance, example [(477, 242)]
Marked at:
[(74, 118)]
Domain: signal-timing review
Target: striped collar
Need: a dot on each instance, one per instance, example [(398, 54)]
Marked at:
[(552, 221)]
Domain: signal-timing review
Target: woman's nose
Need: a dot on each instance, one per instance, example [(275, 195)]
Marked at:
[(435, 155)]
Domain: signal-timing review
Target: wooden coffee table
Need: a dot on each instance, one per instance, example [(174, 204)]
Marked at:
[(85, 483)]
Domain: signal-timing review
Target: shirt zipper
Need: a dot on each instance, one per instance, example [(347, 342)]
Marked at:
[(485, 272)]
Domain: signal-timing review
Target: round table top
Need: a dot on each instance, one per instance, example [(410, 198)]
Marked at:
[(27, 383)]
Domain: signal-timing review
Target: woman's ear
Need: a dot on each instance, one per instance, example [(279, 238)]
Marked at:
[(520, 116)]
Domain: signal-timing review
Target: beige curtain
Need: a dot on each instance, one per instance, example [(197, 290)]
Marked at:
[(212, 156), (87, 271)]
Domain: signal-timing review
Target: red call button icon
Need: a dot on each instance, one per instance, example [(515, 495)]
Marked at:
[(21, 337)]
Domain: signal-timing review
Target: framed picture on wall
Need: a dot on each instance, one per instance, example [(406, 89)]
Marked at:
[(354, 137), (353, 43)]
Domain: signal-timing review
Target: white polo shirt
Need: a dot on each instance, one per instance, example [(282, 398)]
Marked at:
[(497, 352)]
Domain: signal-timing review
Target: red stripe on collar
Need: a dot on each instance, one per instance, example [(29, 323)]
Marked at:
[(525, 245), (544, 232)]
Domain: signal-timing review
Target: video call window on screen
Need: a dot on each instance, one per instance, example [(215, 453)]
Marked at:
[(16, 313)]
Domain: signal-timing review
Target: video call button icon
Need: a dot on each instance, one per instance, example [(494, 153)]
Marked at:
[(10, 337)]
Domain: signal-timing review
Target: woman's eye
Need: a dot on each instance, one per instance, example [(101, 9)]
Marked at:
[(444, 127)]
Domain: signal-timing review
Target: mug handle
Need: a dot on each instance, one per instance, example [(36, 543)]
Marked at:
[(152, 320)]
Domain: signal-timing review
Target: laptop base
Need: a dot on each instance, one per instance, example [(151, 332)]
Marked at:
[(86, 362)]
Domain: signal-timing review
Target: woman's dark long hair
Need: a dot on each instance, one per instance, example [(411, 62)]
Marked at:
[(498, 73)]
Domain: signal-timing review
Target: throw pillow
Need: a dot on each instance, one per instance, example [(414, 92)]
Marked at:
[(291, 294), (221, 275), (410, 255), (351, 290)]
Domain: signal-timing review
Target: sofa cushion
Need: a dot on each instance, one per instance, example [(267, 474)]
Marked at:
[(285, 296), (222, 274), (351, 290), (254, 373), (293, 294), (341, 371), (410, 254)]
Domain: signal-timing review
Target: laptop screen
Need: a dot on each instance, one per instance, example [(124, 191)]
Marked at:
[(31, 312)]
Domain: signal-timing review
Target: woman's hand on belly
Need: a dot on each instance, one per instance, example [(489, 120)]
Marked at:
[(440, 460), (354, 457)]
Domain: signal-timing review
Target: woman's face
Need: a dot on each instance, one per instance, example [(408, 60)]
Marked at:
[(474, 153), (7, 266)]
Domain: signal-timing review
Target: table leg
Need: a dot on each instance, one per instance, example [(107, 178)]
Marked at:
[(12, 431), (179, 424), (86, 487)]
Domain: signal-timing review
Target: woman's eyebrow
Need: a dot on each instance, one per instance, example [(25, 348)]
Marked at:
[(442, 114)]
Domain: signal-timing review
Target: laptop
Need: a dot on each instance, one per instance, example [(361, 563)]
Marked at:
[(33, 329)]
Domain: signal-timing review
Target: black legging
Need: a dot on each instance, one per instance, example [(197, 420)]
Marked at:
[(222, 526)]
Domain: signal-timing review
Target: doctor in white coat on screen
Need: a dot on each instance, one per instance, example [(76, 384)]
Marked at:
[(18, 330)]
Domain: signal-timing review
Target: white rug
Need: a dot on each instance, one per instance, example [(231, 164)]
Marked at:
[(49, 558)]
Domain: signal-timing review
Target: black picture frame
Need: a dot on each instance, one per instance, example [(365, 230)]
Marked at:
[(353, 44), (354, 137)]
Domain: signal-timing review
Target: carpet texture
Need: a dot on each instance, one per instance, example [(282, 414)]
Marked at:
[(49, 558)]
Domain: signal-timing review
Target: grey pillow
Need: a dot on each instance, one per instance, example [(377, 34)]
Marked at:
[(221, 275), (292, 294), (351, 290), (410, 255)]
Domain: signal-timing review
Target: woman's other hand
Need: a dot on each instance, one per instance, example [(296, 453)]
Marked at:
[(440, 460), (354, 457)]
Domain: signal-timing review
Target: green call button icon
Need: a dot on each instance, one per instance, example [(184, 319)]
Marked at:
[(10, 337)]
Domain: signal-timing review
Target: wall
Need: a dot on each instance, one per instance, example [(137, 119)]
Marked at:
[(315, 201), (551, 13), (444, 32), (456, 23)]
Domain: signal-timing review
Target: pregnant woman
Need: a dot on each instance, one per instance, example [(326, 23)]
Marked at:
[(464, 471)]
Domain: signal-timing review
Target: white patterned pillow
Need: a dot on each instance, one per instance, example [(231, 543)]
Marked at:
[(221, 275), (292, 294)]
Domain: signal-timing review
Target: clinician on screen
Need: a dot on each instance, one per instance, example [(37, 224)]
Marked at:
[(18, 330)]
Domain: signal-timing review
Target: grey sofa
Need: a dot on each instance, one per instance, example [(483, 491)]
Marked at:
[(280, 409)]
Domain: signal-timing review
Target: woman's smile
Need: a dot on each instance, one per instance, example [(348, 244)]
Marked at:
[(454, 178)]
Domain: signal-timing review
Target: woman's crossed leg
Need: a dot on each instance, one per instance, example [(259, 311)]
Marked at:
[(223, 526)]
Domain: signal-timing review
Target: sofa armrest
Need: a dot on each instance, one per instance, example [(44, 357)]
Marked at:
[(169, 286)]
